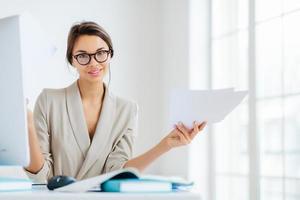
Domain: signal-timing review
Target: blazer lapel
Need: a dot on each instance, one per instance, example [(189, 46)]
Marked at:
[(76, 117), (100, 143)]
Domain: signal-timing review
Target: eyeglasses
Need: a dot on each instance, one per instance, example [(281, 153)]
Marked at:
[(100, 56)]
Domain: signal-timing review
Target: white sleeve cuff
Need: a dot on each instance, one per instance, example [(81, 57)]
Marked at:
[(41, 176)]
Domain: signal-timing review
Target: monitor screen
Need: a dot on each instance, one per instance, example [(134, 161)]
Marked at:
[(14, 148)]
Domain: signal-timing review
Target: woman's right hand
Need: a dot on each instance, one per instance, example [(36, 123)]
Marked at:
[(30, 122), (36, 158)]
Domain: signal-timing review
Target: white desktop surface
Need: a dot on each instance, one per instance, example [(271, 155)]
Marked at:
[(41, 192)]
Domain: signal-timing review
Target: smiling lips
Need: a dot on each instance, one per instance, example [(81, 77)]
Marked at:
[(94, 72)]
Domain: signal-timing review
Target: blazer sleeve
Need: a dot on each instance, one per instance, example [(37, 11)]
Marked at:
[(123, 150), (43, 134)]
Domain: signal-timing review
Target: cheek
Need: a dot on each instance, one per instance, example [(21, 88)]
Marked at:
[(78, 68), (80, 71)]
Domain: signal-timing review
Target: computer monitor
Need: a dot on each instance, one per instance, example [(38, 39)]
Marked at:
[(14, 148)]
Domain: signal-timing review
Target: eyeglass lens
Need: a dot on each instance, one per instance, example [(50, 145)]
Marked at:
[(85, 58)]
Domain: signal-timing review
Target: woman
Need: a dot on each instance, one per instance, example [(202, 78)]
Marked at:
[(84, 130)]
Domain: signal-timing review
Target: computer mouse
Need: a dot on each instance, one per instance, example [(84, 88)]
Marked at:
[(59, 181)]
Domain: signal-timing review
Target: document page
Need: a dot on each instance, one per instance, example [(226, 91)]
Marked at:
[(202, 105)]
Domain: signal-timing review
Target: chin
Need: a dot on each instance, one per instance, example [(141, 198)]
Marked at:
[(94, 79)]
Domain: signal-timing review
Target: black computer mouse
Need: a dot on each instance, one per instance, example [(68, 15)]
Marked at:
[(59, 181)]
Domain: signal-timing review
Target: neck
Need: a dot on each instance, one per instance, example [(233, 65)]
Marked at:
[(90, 91)]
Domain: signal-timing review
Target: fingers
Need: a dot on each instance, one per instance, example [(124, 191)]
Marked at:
[(181, 136), (27, 104), (185, 135), (184, 132), (202, 126), (197, 128)]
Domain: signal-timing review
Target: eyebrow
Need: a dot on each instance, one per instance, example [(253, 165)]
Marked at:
[(83, 51)]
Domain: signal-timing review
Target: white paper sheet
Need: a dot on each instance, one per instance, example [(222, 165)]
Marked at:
[(202, 105)]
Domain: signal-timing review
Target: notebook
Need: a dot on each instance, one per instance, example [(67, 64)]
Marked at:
[(13, 178), (127, 180), (135, 185), (8, 184)]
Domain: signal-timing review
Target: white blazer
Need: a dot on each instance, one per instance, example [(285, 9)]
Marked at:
[(64, 139)]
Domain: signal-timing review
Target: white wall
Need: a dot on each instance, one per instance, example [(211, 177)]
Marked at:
[(200, 159), (175, 72), (151, 56)]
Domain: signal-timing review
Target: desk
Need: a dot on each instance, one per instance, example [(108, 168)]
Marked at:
[(41, 192)]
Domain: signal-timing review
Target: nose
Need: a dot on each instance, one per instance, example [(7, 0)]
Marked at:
[(93, 61)]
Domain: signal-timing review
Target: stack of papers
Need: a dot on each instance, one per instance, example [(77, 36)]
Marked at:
[(212, 106)]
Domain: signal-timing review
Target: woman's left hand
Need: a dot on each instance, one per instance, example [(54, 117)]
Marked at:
[(181, 135)]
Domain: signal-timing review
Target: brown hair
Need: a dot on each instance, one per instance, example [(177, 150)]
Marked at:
[(86, 28)]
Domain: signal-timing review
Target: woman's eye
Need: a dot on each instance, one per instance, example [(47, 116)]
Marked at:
[(100, 53), (83, 56)]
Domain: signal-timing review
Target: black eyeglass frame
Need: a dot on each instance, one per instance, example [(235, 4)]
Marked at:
[(109, 52)]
